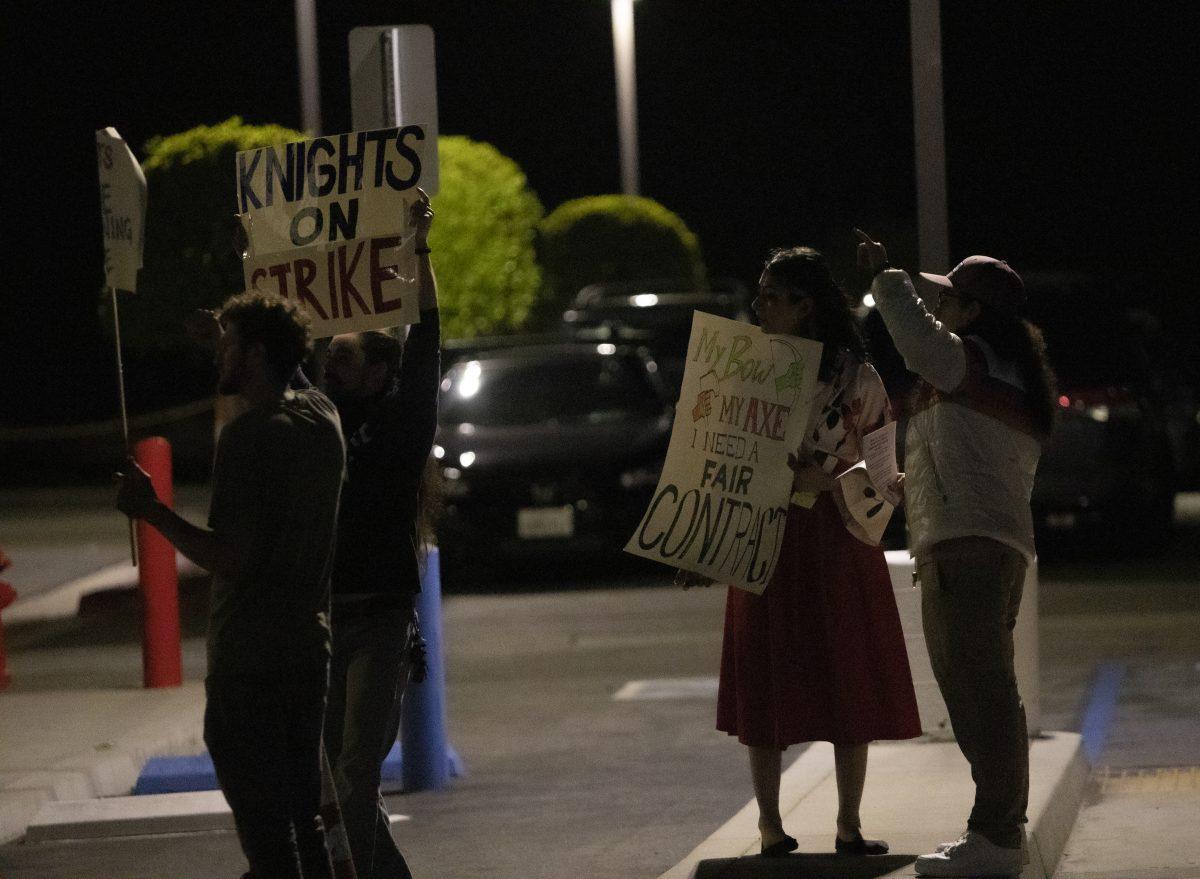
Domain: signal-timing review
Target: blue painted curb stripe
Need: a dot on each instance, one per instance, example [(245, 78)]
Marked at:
[(172, 775), (1101, 708)]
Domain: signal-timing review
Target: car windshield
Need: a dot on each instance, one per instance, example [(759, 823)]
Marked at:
[(498, 392)]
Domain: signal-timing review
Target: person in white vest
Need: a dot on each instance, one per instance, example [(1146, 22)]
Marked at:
[(980, 416)]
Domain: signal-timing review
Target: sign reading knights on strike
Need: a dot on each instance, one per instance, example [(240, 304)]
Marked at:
[(327, 221), (721, 503)]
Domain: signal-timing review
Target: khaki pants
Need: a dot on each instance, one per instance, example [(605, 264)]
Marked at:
[(970, 595)]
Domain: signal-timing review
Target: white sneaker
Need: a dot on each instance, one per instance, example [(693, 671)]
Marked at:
[(942, 846), (972, 855)]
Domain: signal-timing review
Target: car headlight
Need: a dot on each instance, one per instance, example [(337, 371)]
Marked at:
[(640, 477)]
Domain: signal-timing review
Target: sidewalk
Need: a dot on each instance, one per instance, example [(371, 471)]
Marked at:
[(917, 792), (87, 744)]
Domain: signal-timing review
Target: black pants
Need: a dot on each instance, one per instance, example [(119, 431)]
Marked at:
[(264, 737), (367, 678)]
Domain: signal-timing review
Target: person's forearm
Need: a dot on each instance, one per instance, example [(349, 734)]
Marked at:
[(928, 348), (426, 283), (199, 545)]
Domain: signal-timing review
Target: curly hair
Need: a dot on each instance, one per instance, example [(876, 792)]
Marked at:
[(833, 323), (283, 329)]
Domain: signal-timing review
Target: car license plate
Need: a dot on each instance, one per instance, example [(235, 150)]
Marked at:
[(540, 522)]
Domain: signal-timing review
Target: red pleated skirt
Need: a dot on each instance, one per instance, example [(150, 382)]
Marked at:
[(820, 655)]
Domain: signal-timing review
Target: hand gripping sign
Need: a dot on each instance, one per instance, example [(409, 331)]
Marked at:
[(721, 502), (327, 225)]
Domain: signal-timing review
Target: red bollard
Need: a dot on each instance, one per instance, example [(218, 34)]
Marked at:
[(7, 596), (158, 579)]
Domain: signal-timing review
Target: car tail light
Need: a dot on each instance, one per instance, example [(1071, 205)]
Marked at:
[(1100, 404)]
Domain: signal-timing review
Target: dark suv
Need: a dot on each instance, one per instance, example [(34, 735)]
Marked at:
[(547, 450), (660, 311)]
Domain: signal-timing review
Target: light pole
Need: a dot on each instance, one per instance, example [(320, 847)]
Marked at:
[(310, 77), (626, 72), (928, 128)]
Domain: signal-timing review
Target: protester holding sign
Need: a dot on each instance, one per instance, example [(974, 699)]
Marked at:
[(820, 655), (984, 406), (386, 392), (269, 545)]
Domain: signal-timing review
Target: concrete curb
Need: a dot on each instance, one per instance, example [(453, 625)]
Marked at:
[(169, 722), (192, 812), (900, 804)]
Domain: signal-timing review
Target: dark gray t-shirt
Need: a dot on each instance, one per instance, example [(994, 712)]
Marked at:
[(276, 481)]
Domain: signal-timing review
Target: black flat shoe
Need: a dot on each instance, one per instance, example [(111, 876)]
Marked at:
[(860, 846), (781, 848)]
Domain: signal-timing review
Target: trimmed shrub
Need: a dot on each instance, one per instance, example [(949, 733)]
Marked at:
[(611, 238), (483, 240), (190, 258)]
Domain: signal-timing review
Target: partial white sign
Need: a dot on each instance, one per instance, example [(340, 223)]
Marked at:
[(122, 210), (879, 453), (393, 82), (721, 502)]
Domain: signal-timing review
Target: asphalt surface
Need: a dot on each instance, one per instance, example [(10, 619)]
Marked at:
[(564, 781)]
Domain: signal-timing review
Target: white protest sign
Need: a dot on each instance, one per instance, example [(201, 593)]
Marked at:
[(122, 210), (328, 225), (721, 503)]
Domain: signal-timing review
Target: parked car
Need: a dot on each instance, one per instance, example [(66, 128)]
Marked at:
[(661, 310), (547, 450), (1109, 471)]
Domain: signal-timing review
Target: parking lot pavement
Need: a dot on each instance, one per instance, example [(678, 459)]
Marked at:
[(563, 779)]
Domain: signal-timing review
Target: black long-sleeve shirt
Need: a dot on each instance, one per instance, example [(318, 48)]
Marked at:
[(377, 541)]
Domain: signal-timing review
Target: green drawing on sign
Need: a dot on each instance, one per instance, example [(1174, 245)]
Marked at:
[(793, 379)]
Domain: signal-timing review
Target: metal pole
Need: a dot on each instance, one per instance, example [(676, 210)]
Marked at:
[(133, 553), (623, 58), (310, 77), (929, 127)]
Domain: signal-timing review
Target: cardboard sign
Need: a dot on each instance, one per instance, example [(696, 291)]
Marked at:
[(327, 222), (721, 502), (122, 210)]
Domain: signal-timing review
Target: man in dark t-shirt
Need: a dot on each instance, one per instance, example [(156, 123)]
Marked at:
[(276, 481)]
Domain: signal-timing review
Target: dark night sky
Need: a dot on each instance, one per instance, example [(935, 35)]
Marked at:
[(1069, 129)]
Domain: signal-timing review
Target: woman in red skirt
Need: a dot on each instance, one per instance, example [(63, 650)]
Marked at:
[(820, 655)]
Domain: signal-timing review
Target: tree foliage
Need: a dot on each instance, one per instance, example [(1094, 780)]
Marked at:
[(612, 238), (190, 258), (483, 240)]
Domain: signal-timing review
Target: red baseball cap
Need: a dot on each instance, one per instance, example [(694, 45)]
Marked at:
[(990, 281)]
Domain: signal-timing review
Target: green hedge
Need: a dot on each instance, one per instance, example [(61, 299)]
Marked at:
[(483, 236), (482, 239), (610, 238), (190, 261)]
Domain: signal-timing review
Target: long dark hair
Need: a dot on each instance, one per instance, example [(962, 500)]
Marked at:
[(1020, 342), (833, 322)]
